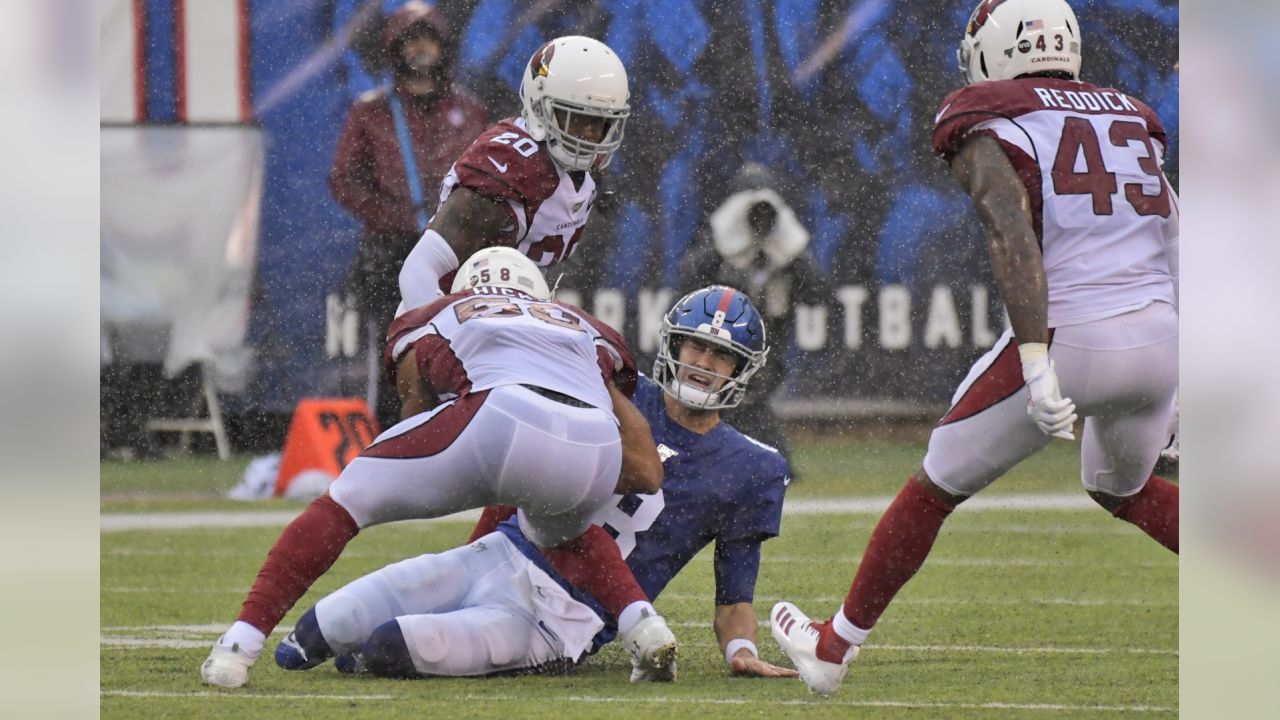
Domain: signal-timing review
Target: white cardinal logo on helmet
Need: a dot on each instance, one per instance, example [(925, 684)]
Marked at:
[(1009, 38), (575, 76)]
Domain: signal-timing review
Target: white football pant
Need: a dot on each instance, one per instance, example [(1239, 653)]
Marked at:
[(474, 610), (558, 463), (1121, 372)]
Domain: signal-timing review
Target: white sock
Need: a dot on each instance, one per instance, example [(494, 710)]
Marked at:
[(249, 638), (847, 630), (633, 614)]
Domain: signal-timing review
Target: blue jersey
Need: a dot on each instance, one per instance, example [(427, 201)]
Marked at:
[(721, 486)]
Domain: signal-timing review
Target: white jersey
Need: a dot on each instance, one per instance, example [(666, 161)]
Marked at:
[(487, 337), (1091, 159), (548, 210)]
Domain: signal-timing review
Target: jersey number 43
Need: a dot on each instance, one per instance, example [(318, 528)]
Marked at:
[(1079, 136)]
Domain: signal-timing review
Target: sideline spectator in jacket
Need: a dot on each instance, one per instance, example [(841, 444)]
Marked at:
[(754, 241), (387, 171)]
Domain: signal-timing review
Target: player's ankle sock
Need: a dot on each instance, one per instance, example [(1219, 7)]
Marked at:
[(851, 633), (634, 613), (898, 547), (305, 550), (490, 519), (249, 638), (1154, 509), (831, 647), (593, 563)]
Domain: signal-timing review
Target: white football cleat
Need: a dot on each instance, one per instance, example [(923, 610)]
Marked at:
[(652, 647), (227, 666), (799, 640)]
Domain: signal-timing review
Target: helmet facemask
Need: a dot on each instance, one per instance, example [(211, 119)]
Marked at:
[(667, 369), (571, 151), (570, 79)]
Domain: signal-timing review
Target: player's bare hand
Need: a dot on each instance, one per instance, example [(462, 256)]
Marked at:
[(744, 663)]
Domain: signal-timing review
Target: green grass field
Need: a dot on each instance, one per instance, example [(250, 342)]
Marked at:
[(1018, 613)]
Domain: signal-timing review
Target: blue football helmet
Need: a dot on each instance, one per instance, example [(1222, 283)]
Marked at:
[(717, 315)]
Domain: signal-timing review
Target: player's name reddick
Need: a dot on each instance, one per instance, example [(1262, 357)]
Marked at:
[(1085, 100), (893, 314)]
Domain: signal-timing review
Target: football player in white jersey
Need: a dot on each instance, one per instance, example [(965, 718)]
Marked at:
[(1067, 181), (499, 604), (527, 181), (530, 408)]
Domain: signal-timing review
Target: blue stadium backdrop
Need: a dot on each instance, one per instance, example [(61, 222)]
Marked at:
[(836, 97)]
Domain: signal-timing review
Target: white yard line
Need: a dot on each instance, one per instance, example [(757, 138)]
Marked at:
[(851, 562), (663, 700), (166, 643), (238, 694), (767, 600), (207, 628), (191, 636), (1051, 707), (118, 522)]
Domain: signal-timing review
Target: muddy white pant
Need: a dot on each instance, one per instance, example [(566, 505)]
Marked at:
[(474, 610)]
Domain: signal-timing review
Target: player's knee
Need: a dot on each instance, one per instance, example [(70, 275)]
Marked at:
[(926, 483), (344, 621), (1111, 491), (1109, 502), (386, 653), (1113, 504)]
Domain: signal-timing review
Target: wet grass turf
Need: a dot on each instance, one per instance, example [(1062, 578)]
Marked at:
[(1017, 614)]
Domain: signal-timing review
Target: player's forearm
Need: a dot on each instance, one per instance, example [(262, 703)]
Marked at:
[(416, 394), (641, 466), (1019, 270), (734, 622), (465, 223), (1004, 209)]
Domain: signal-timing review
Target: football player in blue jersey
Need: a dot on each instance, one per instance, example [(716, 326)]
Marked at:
[(498, 604)]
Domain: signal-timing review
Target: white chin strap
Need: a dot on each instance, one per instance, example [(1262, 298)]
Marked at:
[(690, 396)]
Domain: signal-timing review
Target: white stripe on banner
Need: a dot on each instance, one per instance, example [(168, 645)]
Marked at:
[(118, 53), (211, 61), (117, 522)]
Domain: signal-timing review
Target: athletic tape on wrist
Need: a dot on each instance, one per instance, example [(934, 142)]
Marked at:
[(737, 644), (1030, 352)]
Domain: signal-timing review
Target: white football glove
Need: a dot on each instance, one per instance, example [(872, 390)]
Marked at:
[(1052, 413)]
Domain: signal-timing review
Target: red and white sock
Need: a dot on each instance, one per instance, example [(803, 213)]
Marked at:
[(246, 638), (847, 631), (305, 550), (592, 562), (898, 547), (1154, 509), (634, 613)]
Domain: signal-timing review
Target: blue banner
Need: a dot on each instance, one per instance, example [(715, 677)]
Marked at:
[(836, 98)]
